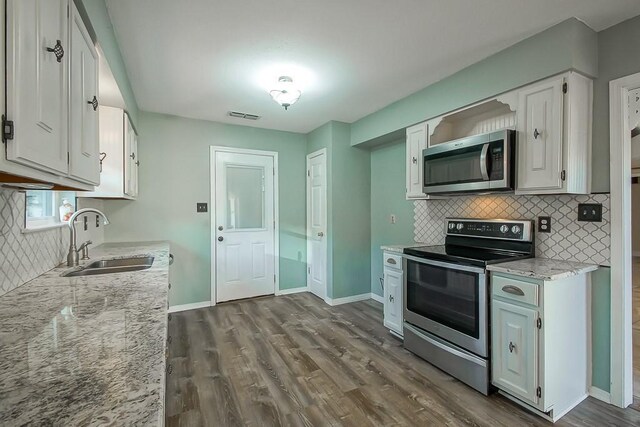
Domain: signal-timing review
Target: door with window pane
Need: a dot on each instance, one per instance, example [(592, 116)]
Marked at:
[(244, 225)]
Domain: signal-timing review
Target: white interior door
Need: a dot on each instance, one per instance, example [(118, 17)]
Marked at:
[(317, 223), (244, 225)]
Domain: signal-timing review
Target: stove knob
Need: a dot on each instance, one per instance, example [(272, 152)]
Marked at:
[(504, 228), (460, 226), (452, 225), (515, 229)]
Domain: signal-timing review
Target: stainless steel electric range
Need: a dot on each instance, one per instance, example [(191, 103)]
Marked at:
[(446, 294)]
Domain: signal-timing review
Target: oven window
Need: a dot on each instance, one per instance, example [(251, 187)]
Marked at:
[(447, 296), (455, 167)]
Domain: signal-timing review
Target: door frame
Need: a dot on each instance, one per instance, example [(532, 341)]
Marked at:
[(212, 216), (621, 383), (322, 151)]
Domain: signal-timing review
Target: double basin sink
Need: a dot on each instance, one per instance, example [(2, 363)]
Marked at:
[(114, 265)]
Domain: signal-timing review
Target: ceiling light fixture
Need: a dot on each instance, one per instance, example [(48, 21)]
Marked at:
[(285, 94)]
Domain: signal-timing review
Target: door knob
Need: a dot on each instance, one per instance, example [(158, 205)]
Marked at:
[(220, 239), (320, 234)]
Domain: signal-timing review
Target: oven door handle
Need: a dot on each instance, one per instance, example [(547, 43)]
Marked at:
[(484, 167), (445, 264)]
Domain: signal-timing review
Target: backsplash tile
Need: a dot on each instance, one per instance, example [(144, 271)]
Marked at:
[(24, 257), (569, 239)]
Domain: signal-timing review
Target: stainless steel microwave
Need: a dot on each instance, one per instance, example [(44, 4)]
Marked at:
[(476, 164)]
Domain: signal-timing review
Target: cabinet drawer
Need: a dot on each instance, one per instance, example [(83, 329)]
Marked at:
[(515, 290), (392, 261)]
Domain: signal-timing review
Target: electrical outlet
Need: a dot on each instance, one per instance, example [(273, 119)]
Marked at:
[(544, 224), (590, 212), (201, 207), (392, 219)]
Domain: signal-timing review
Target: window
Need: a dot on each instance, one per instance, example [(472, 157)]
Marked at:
[(46, 209)]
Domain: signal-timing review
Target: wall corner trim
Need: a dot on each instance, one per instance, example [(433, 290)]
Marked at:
[(378, 298), (186, 307), (598, 393)]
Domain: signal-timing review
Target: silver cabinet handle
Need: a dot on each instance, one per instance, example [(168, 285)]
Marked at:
[(414, 160), (510, 289), (391, 298), (391, 261)]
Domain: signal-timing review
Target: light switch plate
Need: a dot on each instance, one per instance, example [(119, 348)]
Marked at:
[(393, 219), (201, 207), (590, 212)]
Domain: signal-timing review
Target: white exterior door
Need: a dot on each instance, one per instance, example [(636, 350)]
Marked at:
[(317, 223), (84, 162), (515, 349), (244, 225), (540, 136), (37, 82)]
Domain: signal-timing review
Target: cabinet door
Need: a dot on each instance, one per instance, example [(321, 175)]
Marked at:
[(130, 176), (540, 136), (393, 299), (84, 144), (37, 83), (416, 142), (135, 166), (515, 350)]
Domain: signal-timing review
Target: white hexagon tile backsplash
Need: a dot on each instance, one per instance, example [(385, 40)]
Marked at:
[(569, 239), (24, 257)]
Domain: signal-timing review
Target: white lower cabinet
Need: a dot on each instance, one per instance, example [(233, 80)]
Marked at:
[(393, 284), (539, 341)]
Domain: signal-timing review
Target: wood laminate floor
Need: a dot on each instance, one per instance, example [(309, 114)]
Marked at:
[(293, 360)]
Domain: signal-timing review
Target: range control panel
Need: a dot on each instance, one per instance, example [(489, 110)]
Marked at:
[(490, 228)]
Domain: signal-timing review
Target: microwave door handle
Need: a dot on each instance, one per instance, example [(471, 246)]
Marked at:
[(484, 169)]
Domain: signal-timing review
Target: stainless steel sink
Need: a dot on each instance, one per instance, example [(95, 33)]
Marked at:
[(115, 265)]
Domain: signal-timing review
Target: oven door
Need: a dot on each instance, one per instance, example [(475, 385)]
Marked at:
[(475, 164), (449, 301)]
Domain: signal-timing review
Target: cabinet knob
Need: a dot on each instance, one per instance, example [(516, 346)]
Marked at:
[(414, 160), (138, 163), (94, 103), (536, 134), (512, 347), (133, 156), (391, 298), (57, 50)]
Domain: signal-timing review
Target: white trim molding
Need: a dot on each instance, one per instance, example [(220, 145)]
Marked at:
[(378, 298), (347, 300), (186, 307), (621, 295), (292, 291), (600, 394)]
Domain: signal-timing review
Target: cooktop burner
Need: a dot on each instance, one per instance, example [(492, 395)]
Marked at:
[(481, 242)]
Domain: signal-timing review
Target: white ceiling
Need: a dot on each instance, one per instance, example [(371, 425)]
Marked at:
[(202, 58)]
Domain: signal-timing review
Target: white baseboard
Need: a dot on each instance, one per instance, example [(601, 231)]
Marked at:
[(292, 291), (378, 298), (185, 307), (600, 394), (347, 300)]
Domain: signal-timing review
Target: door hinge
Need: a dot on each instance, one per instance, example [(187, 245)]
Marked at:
[(563, 175), (539, 323), (68, 158), (565, 87), (274, 278), (7, 129), (308, 173), (308, 270), (539, 392)]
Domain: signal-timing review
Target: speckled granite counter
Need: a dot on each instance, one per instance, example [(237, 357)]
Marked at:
[(400, 248), (542, 268), (87, 350)]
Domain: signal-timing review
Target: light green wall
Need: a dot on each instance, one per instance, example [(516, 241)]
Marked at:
[(388, 164), (101, 23), (568, 45), (175, 175), (351, 200), (618, 56), (348, 206)]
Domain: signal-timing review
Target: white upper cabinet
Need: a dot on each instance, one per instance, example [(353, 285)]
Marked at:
[(554, 136), (417, 137), (84, 145), (37, 90), (131, 159)]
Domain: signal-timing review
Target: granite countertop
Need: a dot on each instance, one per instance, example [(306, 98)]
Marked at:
[(87, 350), (543, 268), (400, 248)]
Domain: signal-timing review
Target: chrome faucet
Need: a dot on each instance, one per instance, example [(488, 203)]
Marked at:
[(72, 256)]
